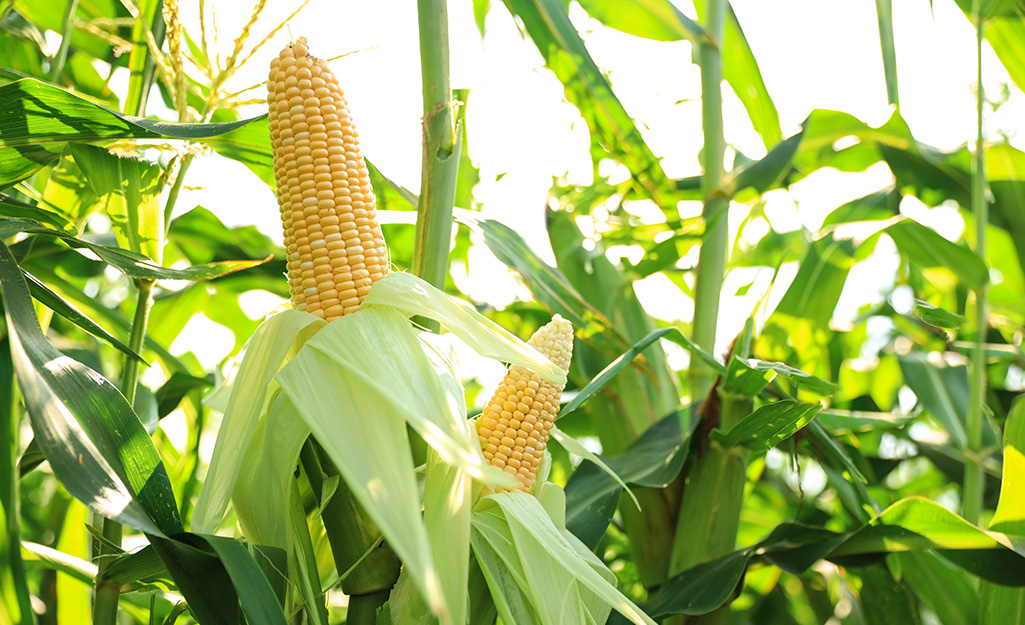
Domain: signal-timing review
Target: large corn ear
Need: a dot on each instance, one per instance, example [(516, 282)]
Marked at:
[(334, 244)]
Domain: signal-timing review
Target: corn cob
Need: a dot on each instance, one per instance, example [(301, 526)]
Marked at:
[(514, 426), (333, 241)]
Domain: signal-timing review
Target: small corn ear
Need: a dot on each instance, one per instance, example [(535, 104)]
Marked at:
[(513, 428), (334, 244)]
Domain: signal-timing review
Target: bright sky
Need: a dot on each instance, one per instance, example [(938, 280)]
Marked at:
[(812, 53)]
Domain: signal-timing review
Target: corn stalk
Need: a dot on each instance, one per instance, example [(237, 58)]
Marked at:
[(712, 259), (974, 479), (107, 592), (106, 601), (714, 489), (442, 144)]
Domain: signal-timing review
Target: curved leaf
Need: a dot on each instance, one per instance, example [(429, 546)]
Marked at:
[(768, 426), (64, 308), (129, 263), (553, 572), (413, 296), (651, 19), (1001, 604), (654, 459), (216, 574), (128, 189), (820, 279), (599, 381), (924, 247), (586, 87), (265, 354), (37, 119), (91, 436), (549, 286), (372, 454)]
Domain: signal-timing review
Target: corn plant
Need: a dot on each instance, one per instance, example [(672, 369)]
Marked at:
[(800, 473)]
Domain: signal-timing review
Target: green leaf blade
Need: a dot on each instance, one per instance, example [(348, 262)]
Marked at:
[(770, 425)]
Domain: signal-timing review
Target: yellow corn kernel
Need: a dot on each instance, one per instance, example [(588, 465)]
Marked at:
[(513, 428), (335, 250)]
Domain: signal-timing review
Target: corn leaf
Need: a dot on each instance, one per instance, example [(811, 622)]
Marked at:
[(129, 567), (884, 601), (925, 248), (129, 262), (748, 377), (768, 426), (608, 373), (76, 598), (50, 15), (654, 459), (548, 285), (128, 189), (942, 389), (91, 436), (503, 572), (261, 496), (74, 567), (999, 603), (56, 303), (15, 602), (38, 119), (246, 408), (111, 320), (561, 583), (945, 589), (701, 589), (217, 574), (138, 80), (574, 446), (304, 560), (930, 173), (358, 414), (909, 525), (820, 279), (612, 129), (68, 194), (661, 21), (447, 508), (413, 296), (11, 208), (936, 316), (741, 72), (652, 19)]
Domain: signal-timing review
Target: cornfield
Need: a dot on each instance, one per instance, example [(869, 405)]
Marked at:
[(750, 371)]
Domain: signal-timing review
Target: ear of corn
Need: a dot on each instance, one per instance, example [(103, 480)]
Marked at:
[(513, 428), (334, 244)]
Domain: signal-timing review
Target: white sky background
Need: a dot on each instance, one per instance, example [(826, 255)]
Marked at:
[(812, 54)]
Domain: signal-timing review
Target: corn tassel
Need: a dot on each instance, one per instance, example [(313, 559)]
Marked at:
[(333, 241), (513, 428)]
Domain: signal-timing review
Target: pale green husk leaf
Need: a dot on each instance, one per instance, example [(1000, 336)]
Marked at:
[(262, 489), (247, 407), (574, 446), (564, 584), (380, 347), (413, 296), (356, 384), (447, 508)]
